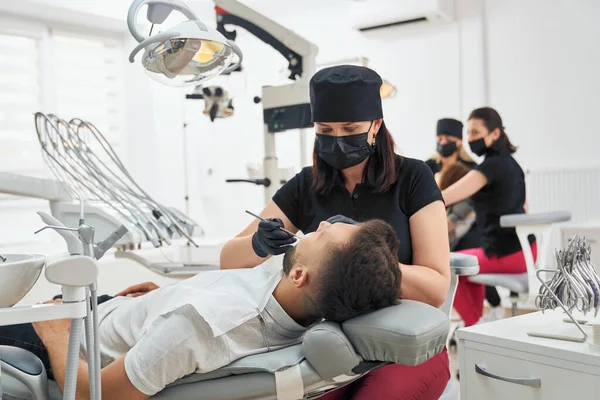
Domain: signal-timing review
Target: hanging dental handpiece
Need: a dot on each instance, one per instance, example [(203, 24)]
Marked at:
[(78, 154), (104, 183), (160, 213), (56, 147)]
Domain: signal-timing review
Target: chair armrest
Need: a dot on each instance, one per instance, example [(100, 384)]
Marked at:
[(26, 370), (463, 264), (21, 360)]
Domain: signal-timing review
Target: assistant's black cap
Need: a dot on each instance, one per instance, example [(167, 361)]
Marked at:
[(450, 127), (345, 93)]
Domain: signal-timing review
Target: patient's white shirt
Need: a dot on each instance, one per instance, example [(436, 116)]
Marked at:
[(197, 325)]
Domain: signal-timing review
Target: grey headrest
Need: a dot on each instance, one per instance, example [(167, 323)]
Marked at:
[(512, 220), (409, 333), (329, 351)]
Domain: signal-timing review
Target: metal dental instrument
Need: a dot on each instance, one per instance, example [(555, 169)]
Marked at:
[(285, 230), (79, 155), (2, 258), (575, 284)]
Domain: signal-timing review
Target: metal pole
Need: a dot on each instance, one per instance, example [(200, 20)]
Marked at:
[(270, 165), (303, 148)]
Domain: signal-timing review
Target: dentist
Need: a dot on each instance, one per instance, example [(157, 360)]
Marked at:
[(357, 174)]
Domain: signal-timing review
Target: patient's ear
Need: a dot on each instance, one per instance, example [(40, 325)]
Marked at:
[(299, 276)]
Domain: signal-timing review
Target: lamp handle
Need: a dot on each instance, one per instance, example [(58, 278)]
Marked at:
[(238, 53), (159, 37), (156, 15)]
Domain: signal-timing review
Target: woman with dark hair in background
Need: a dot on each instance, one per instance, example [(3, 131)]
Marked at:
[(450, 152), (357, 174), (497, 188)]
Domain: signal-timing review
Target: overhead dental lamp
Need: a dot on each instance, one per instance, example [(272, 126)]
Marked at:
[(188, 54)]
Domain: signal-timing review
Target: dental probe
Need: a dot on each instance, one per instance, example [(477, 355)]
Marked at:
[(285, 230)]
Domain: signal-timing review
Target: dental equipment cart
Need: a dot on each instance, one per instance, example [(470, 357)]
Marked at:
[(499, 360)]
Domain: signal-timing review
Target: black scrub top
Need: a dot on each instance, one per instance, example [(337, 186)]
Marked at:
[(414, 189), (504, 194), (436, 166)]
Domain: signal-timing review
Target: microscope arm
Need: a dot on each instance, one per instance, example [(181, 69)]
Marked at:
[(299, 52)]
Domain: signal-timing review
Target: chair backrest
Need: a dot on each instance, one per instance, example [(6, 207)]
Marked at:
[(540, 225)]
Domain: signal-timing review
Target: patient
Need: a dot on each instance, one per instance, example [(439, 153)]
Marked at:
[(208, 321)]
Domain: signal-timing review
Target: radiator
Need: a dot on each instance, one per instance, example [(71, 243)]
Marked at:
[(576, 190)]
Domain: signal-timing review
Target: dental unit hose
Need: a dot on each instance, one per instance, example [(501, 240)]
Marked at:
[(98, 366), (89, 344), (73, 359)]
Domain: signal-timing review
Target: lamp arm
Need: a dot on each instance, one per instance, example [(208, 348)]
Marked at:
[(159, 37), (299, 52), (158, 11)]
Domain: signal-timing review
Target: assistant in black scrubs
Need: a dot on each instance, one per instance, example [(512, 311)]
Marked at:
[(450, 150), (356, 173), (497, 188)]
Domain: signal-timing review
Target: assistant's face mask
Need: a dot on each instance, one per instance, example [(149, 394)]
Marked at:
[(447, 149), (478, 146), (342, 152)]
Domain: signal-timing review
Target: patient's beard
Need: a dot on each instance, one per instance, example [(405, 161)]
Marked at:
[(289, 259)]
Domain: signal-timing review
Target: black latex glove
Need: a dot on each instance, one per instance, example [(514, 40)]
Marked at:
[(270, 239), (340, 218)]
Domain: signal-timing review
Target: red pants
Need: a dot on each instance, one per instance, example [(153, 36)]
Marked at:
[(426, 381), (468, 301)]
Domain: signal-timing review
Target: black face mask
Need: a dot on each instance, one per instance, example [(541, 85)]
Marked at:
[(342, 152), (478, 147), (446, 150)]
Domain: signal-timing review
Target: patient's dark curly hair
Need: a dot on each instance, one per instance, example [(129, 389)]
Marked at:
[(360, 276)]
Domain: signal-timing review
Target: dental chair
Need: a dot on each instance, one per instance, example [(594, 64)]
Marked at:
[(540, 225), (330, 356)]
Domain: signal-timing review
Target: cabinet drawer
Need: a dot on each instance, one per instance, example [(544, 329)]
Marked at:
[(492, 376)]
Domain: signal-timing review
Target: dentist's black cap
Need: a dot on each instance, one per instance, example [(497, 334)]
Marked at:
[(346, 93)]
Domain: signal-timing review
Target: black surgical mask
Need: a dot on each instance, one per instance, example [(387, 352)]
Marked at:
[(446, 150), (342, 152), (478, 147)]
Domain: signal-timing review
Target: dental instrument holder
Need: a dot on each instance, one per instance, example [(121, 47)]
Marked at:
[(86, 238), (566, 262), (73, 307), (566, 310), (84, 244)]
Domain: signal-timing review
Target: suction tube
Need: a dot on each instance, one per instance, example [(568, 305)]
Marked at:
[(89, 344), (73, 359), (96, 349)]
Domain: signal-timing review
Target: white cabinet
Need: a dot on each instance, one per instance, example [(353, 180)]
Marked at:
[(498, 360)]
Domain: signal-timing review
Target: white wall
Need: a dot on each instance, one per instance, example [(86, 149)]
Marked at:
[(544, 58), (535, 61), (106, 8)]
